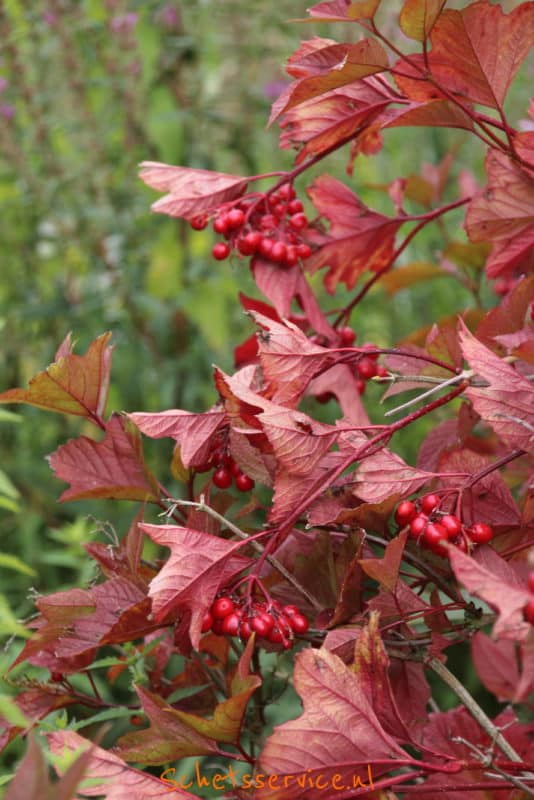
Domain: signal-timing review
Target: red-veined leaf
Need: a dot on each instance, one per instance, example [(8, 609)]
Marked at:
[(191, 191), (193, 432), (112, 468), (298, 440), (73, 384), (343, 10), (358, 239), (384, 474), (497, 666), (418, 17)]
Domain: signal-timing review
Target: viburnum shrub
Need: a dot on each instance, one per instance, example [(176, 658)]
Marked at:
[(312, 537)]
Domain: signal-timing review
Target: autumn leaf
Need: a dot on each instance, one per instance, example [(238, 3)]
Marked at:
[(338, 731), (488, 576), (73, 384), (381, 475), (385, 570), (503, 214), (199, 563), (298, 440), (343, 10), (358, 239), (475, 53), (190, 191), (34, 705), (418, 17), (193, 432), (112, 468), (497, 666), (507, 402), (109, 777)]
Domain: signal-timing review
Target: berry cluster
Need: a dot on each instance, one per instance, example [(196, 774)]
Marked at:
[(271, 228), (364, 369), (269, 620), (226, 469), (433, 527), (529, 607)]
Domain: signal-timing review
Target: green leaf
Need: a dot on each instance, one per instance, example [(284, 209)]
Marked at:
[(10, 561), (12, 713)]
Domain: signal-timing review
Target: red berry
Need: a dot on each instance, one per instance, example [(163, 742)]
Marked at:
[(268, 619), (298, 221), (135, 719), (360, 385), (220, 224), (217, 626), (265, 248), (480, 533), (299, 623), (290, 610), (295, 207), (434, 536), (347, 336), (245, 631), (429, 502), (231, 624), (57, 677), (286, 191), (279, 210), (304, 250), (366, 368), (259, 626), (222, 478), (222, 607), (244, 482), (275, 636), (207, 622), (278, 252), (246, 245), (418, 525), (220, 251), (199, 222), (406, 511), (235, 218), (452, 525), (381, 371), (530, 581), (292, 256), (370, 346), (268, 222), (529, 611)]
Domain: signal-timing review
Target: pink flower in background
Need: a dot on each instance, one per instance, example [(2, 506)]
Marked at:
[(124, 23), (273, 89), (7, 111), (49, 18), (169, 17)]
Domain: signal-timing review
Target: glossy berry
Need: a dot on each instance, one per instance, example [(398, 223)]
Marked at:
[(480, 533), (231, 624), (529, 611), (222, 607), (207, 622), (275, 636), (288, 611), (298, 623), (434, 536), (260, 626), (418, 525), (452, 525), (304, 250), (235, 218), (360, 385), (291, 256), (199, 222), (298, 221), (265, 248), (367, 368), (245, 631), (406, 511), (222, 478), (244, 482), (530, 581), (278, 252), (295, 207), (429, 502), (217, 626), (268, 222), (347, 336), (286, 192), (220, 251), (220, 224)]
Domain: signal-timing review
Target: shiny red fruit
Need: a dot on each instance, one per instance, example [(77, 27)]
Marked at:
[(244, 483), (278, 252), (220, 224), (452, 525), (265, 247), (235, 218), (530, 581), (298, 221), (199, 222), (259, 626), (231, 624), (245, 631), (406, 511), (222, 478), (288, 611), (299, 623), (367, 368), (429, 502), (304, 250), (268, 222), (268, 620), (286, 191), (222, 607), (220, 251), (347, 336), (480, 533), (418, 525), (434, 536), (217, 626), (529, 611), (207, 622), (291, 256)]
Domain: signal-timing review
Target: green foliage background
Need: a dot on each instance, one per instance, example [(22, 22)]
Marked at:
[(86, 100)]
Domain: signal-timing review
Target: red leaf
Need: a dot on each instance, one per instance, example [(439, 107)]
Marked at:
[(381, 475), (191, 191), (488, 576), (344, 10), (198, 564), (385, 570), (509, 316), (290, 490), (497, 667), (338, 731), (358, 239), (342, 383), (73, 384), (112, 468), (192, 431), (299, 442), (329, 67), (475, 53), (110, 777), (503, 213), (418, 17), (507, 403)]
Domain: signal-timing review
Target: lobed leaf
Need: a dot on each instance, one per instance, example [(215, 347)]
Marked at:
[(418, 17), (343, 10)]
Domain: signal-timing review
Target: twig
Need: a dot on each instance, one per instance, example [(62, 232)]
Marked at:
[(465, 375)]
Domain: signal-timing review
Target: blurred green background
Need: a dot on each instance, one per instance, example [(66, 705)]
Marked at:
[(88, 89)]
